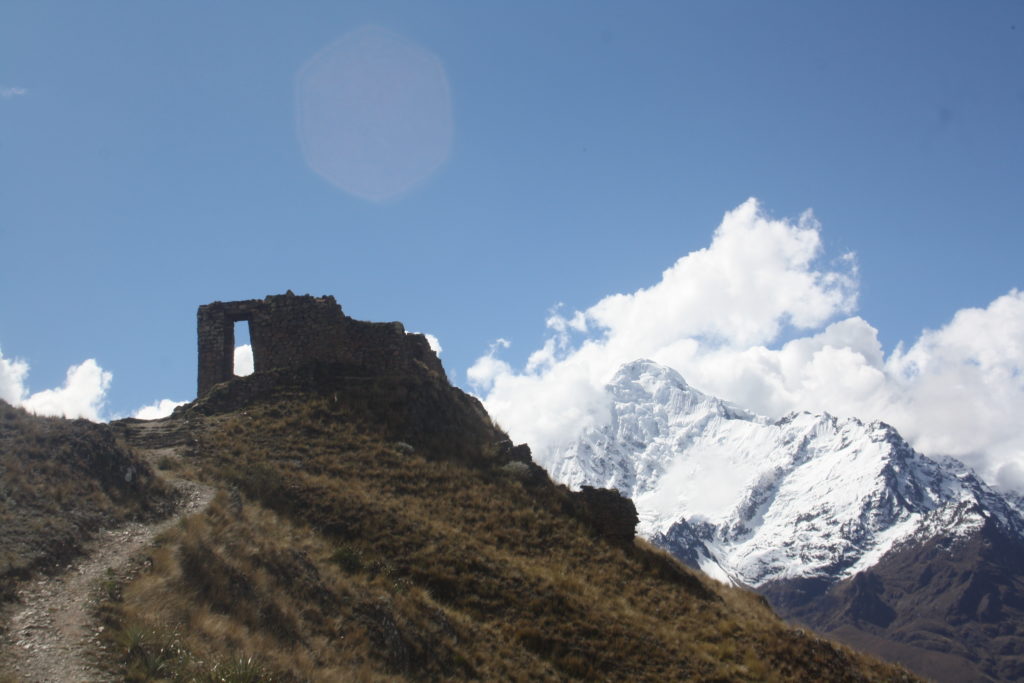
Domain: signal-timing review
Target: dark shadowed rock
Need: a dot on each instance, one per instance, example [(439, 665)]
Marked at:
[(612, 516)]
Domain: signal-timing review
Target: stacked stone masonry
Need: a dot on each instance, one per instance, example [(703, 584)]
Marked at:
[(288, 331)]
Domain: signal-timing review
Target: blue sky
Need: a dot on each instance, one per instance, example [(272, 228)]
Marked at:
[(151, 161)]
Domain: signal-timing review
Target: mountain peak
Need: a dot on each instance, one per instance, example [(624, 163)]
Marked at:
[(808, 495), (646, 380), (644, 366)]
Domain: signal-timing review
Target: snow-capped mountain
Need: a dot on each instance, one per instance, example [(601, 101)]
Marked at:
[(838, 522), (757, 501)]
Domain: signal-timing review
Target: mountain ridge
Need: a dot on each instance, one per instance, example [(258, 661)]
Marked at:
[(662, 431)]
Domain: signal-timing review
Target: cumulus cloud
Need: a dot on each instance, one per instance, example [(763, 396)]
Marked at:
[(487, 369), (714, 316), (757, 276), (840, 369), (12, 379), (243, 360), (7, 93), (158, 409), (960, 389), (82, 395)]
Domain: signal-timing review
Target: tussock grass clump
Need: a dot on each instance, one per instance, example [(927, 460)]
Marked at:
[(147, 654)]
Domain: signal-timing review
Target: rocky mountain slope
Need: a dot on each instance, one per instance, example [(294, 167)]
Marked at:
[(826, 516)]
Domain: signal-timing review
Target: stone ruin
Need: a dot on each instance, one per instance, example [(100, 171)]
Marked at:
[(289, 331)]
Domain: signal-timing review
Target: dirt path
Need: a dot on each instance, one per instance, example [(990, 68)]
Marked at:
[(51, 635)]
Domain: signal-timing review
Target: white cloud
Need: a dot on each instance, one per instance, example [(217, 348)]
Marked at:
[(243, 360), (7, 93), (12, 379), (714, 315), (158, 409), (82, 395), (960, 389), (757, 276), (840, 370), (487, 368)]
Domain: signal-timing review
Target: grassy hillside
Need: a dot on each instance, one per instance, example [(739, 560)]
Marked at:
[(382, 528), (60, 481)]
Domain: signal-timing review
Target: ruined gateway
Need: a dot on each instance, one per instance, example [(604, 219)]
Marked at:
[(289, 331)]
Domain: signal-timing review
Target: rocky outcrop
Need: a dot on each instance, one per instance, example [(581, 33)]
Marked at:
[(612, 516)]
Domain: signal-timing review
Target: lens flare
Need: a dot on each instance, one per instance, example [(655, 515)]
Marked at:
[(374, 113)]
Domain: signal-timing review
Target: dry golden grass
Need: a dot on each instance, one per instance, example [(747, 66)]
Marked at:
[(349, 555)]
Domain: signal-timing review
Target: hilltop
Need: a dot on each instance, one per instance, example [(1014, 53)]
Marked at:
[(373, 523), (380, 526)]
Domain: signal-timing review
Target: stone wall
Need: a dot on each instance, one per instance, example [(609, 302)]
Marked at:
[(288, 331)]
